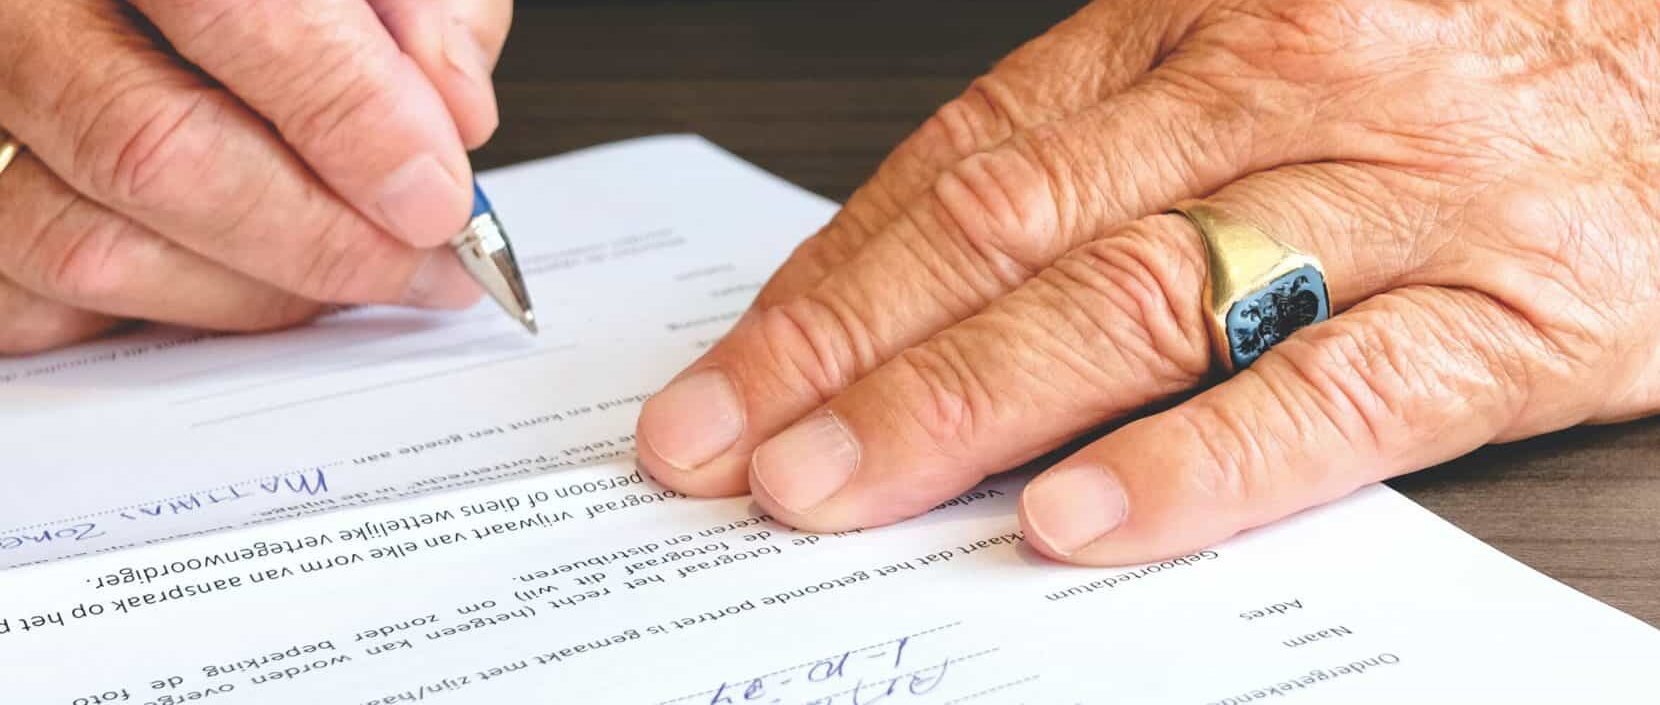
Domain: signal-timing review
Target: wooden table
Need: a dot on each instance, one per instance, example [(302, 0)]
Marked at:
[(818, 90)]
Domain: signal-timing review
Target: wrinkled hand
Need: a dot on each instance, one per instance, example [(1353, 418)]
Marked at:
[(233, 164), (1481, 180)]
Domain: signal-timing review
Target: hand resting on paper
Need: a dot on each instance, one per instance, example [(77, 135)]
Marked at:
[(235, 164), (1480, 180)]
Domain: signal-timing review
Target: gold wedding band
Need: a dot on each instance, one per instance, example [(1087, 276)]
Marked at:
[(1260, 290), (9, 149)]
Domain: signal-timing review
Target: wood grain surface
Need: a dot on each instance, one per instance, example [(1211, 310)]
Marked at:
[(818, 91)]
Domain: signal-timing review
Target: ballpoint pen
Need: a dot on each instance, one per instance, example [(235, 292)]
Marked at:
[(488, 257)]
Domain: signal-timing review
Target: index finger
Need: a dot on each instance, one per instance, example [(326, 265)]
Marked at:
[(357, 109)]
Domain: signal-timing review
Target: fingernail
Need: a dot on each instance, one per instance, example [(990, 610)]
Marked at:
[(466, 54), (441, 282), (693, 420), (808, 462), (1069, 508), (419, 202)]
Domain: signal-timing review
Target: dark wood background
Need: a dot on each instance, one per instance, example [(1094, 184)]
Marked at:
[(818, 90)]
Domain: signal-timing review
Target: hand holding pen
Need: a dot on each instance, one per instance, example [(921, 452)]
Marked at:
[(267, 160)]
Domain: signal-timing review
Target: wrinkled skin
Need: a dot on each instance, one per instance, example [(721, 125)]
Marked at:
[(235, 164), (1479, 179)]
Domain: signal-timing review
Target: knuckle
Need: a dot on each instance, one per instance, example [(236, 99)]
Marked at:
[(1557, 261), (1137, 295), (1222, 127), (1318, 17), (1298, 36), (1393, 373), (1003, 204), (75, 253), (1228, 468), (813, 346), (147, 146), (310, 101), (87, 264), (329, 111), (982, 115), (943, 397), (1485, 356), (198, 35), (339, 266), (1357, 381)]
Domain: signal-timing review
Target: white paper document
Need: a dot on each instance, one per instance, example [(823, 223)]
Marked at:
[(394, 507), (637, 255)]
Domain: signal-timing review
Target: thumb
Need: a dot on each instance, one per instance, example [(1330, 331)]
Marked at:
[(1392, 386)]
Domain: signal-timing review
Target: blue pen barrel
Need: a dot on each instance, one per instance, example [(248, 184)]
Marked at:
[(481, 203)]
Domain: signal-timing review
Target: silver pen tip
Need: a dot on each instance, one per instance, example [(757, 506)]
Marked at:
[(528, 318)]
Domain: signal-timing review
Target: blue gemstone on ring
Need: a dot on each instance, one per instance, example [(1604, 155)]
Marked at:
[(1262, 319)]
